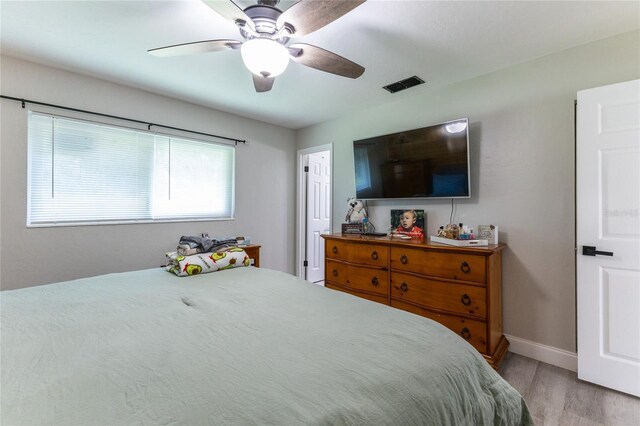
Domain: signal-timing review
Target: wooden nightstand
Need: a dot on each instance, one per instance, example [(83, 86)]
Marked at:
[(253, 251)]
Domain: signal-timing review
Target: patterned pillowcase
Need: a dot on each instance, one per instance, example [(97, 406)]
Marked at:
[(203, 263)]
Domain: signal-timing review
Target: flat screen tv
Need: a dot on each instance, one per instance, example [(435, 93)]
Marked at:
[(430, 162)]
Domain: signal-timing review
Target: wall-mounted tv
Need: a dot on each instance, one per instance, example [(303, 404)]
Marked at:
[(430, 162)]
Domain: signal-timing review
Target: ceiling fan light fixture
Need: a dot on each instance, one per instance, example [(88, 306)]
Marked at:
[(265, 57)]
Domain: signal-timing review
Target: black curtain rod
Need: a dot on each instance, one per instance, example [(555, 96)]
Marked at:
[(149, 125)]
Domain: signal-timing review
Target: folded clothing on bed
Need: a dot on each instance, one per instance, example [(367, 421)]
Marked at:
[(206, 262), (189, 245)]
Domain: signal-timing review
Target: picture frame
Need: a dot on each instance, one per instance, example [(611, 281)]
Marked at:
[(353, 228), (488, 232), (408, 222)]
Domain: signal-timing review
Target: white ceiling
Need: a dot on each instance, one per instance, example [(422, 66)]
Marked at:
[(441, 42)]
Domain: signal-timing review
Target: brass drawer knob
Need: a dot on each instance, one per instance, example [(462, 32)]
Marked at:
[(464, 267), (404, 259), (374, 280), (374, 255), (466, 333), (334, 250), (465, 299), (335, 272), (404, 287)]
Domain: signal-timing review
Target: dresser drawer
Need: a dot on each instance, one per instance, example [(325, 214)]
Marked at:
[(474, 332), (359, 278), (456, 266), (366, 254), (443, 295), (373, 297)]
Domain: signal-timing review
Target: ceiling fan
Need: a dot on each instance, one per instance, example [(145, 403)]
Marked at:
[(267, 30)]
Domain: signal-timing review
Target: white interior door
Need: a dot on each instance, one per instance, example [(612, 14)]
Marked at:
[(607, 203), (318, 213)]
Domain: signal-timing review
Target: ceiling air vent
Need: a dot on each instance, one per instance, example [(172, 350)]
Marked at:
[(403, 84)]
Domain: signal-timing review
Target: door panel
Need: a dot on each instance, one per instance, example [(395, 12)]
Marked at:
[(621, 302), (607, 215), (618, 168)]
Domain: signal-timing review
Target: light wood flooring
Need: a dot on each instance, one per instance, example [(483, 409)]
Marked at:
[(555, 396)]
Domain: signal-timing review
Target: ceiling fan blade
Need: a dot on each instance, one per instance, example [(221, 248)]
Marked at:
[(205, 46), (307, 16), (230, 11), (262, 84), (323, 60)]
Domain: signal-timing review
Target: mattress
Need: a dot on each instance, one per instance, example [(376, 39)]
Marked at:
[(246, 346)]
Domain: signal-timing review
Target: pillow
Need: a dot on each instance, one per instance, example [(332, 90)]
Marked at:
[(204, 263)]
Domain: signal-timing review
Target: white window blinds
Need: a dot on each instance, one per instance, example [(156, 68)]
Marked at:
[(84, 173)]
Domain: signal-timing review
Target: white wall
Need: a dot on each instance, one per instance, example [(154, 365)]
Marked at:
[(265, 183), (522, 162)]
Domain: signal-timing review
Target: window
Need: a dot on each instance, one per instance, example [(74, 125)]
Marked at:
[(87, 173)]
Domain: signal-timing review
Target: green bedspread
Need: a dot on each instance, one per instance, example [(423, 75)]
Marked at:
[(237, 347)]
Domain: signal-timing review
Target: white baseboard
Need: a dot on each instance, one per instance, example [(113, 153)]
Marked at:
[(539, 352)]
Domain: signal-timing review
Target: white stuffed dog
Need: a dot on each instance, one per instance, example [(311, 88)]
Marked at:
[(357, 213)]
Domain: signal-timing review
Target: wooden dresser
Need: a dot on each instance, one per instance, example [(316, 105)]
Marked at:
[(460, 287)]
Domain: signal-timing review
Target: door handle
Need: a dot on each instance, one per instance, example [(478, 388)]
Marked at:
[(591, 251)]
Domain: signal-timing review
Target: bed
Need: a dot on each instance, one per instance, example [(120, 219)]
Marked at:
[(237, 347)]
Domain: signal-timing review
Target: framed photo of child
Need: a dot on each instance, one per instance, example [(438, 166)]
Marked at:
[(408, 222)]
